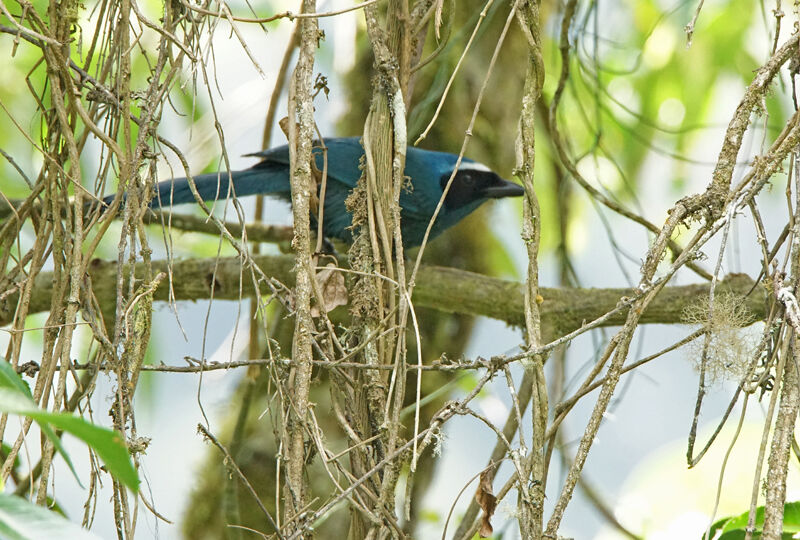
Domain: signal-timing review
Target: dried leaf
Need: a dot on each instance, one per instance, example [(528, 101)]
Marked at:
[(334, 292), (488, 502), (284, 124)]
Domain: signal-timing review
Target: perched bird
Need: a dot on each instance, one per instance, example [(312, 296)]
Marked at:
[(428, 171)]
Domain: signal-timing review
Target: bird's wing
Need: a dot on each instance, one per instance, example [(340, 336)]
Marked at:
[(337, 219), (343, 157)]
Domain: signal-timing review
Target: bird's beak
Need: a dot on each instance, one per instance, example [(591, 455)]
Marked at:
[(504, 188)]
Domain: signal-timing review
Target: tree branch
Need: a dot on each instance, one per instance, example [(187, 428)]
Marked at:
[(446, 289)]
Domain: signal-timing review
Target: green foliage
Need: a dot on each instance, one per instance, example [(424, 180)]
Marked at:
[(623, 87), (734, 527), (16, 398), (22, 520)]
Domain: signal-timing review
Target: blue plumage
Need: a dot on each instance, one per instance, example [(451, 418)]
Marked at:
[(428, 171)]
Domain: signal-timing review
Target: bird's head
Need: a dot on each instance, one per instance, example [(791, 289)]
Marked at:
[(474, 183)]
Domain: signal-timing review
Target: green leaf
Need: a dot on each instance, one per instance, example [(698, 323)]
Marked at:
[(734, 527), (22, 520), (9, 378), (6, 449), (15, 398), (107, 443)]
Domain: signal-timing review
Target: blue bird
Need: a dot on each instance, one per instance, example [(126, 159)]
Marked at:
[(428, 172)]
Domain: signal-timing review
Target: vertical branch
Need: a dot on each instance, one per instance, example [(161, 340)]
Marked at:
[(379, 249), (300, 140), (531, 504), (69, 250), (385, 145), (778, 464), (135, 341), (778, 467)]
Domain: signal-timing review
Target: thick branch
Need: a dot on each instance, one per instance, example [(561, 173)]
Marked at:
[(445, 289)]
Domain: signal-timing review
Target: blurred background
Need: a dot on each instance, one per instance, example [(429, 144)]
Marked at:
[(644, 115)]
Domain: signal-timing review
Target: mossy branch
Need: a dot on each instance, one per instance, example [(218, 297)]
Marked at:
[(445, 289)]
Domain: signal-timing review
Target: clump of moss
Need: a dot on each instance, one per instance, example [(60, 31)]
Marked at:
[(728, 346)]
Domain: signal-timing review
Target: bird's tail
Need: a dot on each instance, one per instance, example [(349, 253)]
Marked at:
[(265, 178)]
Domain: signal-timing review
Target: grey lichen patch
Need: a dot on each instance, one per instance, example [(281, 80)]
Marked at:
[(729, 344), (356, 204), (363, 292)]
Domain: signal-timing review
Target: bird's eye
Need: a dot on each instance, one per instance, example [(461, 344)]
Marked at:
[(467, 179)]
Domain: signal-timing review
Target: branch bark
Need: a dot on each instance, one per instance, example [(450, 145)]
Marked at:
[(301, 134), (781, 444), (446, 289), (531, 489)]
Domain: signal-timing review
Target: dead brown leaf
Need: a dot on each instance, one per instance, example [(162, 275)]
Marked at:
[(487, 501), (334, 292)]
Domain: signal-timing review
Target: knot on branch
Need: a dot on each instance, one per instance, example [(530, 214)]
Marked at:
[(101, 95), (497, 362), (707, 206), (138, 445), (794, 65), (28, 368)]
